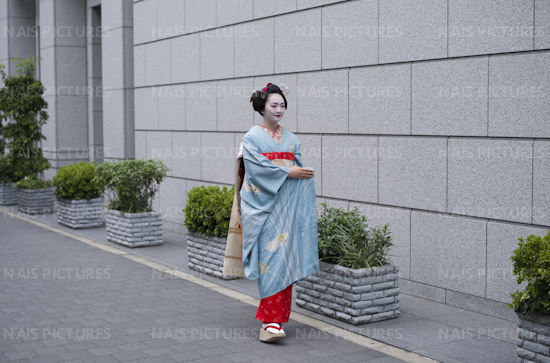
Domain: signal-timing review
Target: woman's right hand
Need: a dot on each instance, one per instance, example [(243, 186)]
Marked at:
[(300, 173)]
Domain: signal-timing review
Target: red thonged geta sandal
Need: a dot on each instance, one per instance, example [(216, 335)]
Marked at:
[(271, 332)]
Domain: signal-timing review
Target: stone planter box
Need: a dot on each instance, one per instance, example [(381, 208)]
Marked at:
[(80, 213), (36, 201), (134, 229), (206, 253), (8, 194), (533, 338), (356, 296)]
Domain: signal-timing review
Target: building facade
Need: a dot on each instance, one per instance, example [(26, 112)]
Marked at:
[(432, 116)]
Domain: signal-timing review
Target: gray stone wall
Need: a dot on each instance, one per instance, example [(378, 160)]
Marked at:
[(206, 254), (534, 339), (134, 229), (8, 194), (437, 119), (356, 296), (117, 78), (62, 49), (17, 20), (80, 213), (36, 201)]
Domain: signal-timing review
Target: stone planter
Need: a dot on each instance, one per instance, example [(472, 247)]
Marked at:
[(80, 213), (206, 253), (134, 229), (533, 338), (356, 296), (8, 194), (36, 201)]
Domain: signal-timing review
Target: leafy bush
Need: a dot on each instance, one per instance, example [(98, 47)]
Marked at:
[(77, 181), (32, 182), (345, 240), (6, 169), (23, 107), (208, 210), (132, 184), (531, 261)]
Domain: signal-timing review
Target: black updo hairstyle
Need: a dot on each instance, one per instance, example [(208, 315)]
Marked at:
[(259, 97)]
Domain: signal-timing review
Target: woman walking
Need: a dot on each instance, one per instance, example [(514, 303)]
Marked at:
[(274, 220)]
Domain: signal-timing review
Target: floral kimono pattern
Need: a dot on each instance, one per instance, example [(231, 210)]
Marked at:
[(278, 214)]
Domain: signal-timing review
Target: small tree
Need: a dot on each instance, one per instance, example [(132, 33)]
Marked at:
[(6, 165), (2, 140), (6, 169), (23, 108), (131, 184), (531, 261)]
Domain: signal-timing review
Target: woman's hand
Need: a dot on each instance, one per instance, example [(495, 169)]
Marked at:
[(300, 173)]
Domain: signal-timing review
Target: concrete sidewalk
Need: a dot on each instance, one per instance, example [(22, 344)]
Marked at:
[(66, 301), (430, 329)]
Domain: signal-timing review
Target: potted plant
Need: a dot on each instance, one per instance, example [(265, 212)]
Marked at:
[(8, 195), (356, 282), (22, 106), (35, 196), (207, 215), (131, 186), (531, 261), (7, 177), (7, 190), (78, 193)]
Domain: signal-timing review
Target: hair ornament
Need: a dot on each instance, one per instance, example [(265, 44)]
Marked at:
[(265, 88), (263, 92)]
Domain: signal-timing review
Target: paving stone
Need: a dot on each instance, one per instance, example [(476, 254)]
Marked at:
[(114, 316)]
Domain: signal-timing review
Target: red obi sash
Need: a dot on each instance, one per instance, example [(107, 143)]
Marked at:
[(279, 155)]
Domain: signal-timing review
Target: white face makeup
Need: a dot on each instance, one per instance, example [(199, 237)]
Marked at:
[(274, 108)]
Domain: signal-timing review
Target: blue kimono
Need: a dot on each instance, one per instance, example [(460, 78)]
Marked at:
[(278, 213)]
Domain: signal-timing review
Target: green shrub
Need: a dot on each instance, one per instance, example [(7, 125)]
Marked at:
[(131, 184), (531, 260), (208, 210), (23, 108), (77, 181), (345, 240), (7, 174), (32, 182)]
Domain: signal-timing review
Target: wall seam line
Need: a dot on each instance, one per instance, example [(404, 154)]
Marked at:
[(447, 179), (447, 35), (486, 255), (349, 70), (534, 23), (378, 32), (124, 100), (216, 102), (488, 91), (322, 165), (274, 50), (411, 100), (56, 144), (378, 169), (532, 181), (410, 243), (321, 34)]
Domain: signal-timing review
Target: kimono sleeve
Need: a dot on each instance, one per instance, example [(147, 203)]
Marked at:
[(298, 154), (260, 171)]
